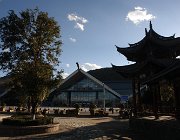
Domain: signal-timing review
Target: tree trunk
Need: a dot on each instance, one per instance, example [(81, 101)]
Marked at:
[(34, 108), (29, 104)]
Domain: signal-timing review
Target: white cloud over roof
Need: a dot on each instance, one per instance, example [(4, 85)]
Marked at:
[(138, 15), (64, 75), (79, 21), (67, 65), (89, 66)]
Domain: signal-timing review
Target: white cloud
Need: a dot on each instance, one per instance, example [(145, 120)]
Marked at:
[(67, 65), (72, 39), (64, 75), (138, 15), (79, 21), (74, 17), (89, 66), (79, 26)]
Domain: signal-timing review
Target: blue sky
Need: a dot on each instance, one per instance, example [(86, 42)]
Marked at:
[(91, 28)]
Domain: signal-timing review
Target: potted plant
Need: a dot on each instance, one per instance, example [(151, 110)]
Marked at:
[(76, 106), (92, 108), (3, 107)]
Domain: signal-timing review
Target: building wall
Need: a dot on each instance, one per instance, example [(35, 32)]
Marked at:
[(123, 87), (85, 98), (86, 91)]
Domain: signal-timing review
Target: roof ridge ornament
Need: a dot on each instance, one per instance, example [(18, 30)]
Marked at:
[(116, 46), (150, 24), (77, 65), (146, 31)]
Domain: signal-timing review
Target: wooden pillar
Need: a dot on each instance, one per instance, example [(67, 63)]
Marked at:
[(176, 84), (154, 91), (134, 98), (157, 90), (139, 97), (158, 96)]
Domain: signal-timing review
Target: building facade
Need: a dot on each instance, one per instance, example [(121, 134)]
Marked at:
[(100, 87)]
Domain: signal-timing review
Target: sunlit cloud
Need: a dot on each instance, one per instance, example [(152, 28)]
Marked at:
[(89, 66), (72, 39), (139, 15), (74, 17), (79, 21), (79, 26), (64, 75), (67, 65)]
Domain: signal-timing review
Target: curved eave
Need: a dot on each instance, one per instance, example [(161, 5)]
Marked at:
[(137, 68), (155, 34), (170, 72), (140, 43), (120, 71), (126, 51), (173, 43), (129, 53), (169, 41), (167, 45), (128, 70), (156, 37)]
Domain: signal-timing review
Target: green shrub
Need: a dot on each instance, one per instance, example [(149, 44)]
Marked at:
[(92, 112), (76, 106), (56, 111), (92, 108), (3, 104), (62, 112), (26, 120), (21, 113), (72, 112)]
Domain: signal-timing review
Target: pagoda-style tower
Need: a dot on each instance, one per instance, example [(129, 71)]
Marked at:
[(151, 55)]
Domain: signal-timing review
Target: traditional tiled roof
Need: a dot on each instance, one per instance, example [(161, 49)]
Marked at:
[(152, 44), (106, 74), (169, 72), (137, 68)]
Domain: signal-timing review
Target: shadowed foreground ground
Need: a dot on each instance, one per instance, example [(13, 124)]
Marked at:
[(104, 128)]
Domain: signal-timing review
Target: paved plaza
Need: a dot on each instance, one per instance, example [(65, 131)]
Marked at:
[(84, 128)]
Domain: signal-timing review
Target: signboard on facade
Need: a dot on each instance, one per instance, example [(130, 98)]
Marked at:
[(124, 98)]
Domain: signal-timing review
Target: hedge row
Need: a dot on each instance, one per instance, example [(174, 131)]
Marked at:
[(27, 121)]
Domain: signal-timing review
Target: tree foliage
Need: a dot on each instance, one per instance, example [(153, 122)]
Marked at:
[(30, 46), (167, 93)]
